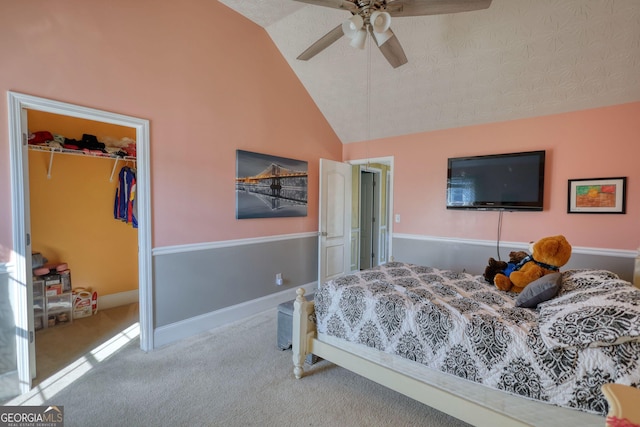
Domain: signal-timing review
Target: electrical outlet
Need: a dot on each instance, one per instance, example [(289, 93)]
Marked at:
[(397, 217), (279, 280)]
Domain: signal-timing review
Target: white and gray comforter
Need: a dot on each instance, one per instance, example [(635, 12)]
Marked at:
[(561, 352)]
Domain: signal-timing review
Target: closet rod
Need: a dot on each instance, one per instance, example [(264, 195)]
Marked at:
[(53, 150), (115, 164)]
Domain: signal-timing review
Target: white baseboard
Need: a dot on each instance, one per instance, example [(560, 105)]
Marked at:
[(118, 299), (189, 327)]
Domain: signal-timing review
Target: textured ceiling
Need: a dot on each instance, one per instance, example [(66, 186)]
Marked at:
[(517, 59)]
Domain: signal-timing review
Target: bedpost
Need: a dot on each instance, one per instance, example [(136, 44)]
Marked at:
[(301, 310)]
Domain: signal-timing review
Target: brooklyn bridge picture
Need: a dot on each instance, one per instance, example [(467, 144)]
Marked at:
[(270, 186)]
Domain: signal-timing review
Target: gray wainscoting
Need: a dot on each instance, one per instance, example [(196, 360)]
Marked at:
[(199, 287), (195, 281), (472, 255)]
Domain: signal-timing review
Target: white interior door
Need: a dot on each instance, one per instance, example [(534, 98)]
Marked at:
[(334, 223), (20, 292)]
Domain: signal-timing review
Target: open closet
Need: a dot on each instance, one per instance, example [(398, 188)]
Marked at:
[(72, 200)]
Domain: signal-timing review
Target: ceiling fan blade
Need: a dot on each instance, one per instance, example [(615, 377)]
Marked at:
[(324, 42), (335, 4), (433, 7), (392, 50)]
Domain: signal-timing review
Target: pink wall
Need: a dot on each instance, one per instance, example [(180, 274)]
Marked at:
[(208, 80), (211, 82), (586, 144)]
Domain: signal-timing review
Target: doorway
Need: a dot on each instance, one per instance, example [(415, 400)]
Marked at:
[(369, 217), (21, 298), (71, 205), (373, 201)]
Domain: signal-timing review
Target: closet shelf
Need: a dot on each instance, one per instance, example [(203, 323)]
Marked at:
[(58, 150)]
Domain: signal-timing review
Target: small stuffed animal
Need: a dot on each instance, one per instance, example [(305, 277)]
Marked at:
[(547, 256), (516, 260), (503, 267)]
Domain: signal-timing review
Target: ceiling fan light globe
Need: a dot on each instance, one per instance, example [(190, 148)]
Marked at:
[(359, 39), (380, 21), (351, 26)]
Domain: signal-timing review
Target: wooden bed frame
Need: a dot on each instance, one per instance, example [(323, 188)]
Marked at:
[(468, 401)]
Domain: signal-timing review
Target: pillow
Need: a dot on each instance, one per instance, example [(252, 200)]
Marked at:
[(540, 290), (600, 317)]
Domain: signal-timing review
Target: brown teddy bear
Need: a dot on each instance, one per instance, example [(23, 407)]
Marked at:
[(547, 256), (496, 266)]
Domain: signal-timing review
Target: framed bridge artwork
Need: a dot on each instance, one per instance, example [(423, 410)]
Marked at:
[(270, 186)]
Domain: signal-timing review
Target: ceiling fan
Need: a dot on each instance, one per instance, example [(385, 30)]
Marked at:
[(374, 16)]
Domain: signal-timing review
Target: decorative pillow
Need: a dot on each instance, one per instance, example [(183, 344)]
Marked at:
[(540, 290), (582, 280)]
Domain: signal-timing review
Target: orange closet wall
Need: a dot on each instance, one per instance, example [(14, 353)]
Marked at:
[(72, 212)]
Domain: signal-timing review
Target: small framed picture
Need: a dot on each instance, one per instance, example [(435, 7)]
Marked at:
[(597, 195)]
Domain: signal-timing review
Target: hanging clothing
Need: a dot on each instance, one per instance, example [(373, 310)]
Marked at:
[(124, 208)]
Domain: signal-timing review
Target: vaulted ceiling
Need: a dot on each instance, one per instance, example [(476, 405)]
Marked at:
[(516, 59)]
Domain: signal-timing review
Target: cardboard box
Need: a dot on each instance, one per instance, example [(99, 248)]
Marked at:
[(53, 290)]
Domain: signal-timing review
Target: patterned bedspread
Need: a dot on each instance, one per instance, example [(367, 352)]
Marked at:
[(561, 352)]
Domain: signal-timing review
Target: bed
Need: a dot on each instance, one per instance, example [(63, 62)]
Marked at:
[(458, 344)]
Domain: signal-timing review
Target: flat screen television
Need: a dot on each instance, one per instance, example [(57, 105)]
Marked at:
[(510, 182)]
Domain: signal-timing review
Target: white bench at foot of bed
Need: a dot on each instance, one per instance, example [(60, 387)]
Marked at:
[(462, 399)]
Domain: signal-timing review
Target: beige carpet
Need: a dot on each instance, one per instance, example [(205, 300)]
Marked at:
[(232, 376), (58, 346)]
